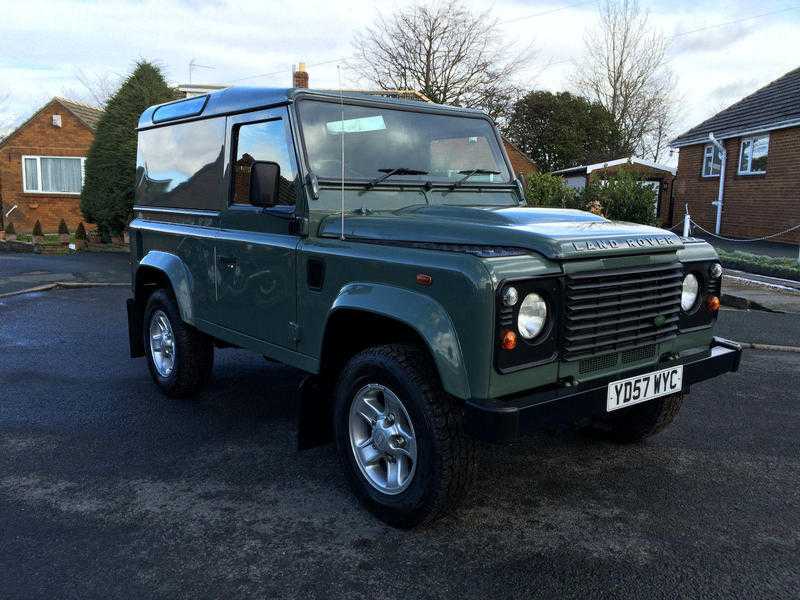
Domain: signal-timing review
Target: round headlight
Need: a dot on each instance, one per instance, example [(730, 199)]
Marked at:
[(532, 316), (510, 296), (689, 292), (715, 270)]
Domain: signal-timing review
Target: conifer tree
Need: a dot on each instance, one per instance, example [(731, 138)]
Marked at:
[(107, 196)]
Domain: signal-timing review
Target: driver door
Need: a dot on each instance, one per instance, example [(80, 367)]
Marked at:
[(255, 251)]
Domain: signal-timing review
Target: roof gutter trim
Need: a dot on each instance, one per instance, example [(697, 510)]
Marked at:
[(702, 138)]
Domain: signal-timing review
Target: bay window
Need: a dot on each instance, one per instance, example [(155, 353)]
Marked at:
[(53, 174)]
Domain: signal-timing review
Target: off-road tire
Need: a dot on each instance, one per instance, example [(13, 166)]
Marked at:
[(194, 351), (638, 422), (446, 457)]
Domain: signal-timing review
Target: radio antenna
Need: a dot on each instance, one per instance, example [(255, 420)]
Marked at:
[(341, 133)]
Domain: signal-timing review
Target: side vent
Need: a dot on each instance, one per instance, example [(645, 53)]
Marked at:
[(315, 274)]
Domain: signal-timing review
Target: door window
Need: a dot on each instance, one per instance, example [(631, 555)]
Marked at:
[(266, 141)]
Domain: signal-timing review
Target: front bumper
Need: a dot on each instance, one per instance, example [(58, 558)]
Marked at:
[(502, 419)]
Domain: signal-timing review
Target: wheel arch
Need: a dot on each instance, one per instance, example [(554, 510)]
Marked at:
[(159, 269), (366, 314)]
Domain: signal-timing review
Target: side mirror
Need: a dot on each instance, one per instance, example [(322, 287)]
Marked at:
[(520, 183), (313, 184), (265, 177)]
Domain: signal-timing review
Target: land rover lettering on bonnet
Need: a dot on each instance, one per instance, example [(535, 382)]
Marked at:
[(384, 248)]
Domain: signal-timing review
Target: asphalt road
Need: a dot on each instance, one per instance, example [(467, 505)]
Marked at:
[(24, 271), (108, 490)]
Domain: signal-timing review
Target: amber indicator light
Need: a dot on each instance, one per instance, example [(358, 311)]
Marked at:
[(508, 340), (424, 279), (712, 303)]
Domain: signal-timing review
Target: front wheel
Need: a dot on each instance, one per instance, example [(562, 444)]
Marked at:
[(180, 357), (400, 437)]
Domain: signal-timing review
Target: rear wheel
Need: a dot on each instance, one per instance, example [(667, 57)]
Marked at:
[(399, 436), (180, 358), (636, 423)]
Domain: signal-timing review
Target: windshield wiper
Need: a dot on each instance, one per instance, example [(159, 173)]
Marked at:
[(469, 173), (389, 172)]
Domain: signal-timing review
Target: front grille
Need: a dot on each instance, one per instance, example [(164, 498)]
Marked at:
[(637, 354), (620, 309), (597, 363)]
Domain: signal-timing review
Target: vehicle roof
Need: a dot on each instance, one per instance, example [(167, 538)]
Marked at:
[(240, 99)]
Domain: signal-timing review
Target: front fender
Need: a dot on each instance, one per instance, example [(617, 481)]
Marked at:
[(178, 275), (424, 315)]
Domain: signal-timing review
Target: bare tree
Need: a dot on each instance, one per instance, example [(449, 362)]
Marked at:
[(445, 51), (96, 89), (625, 69)]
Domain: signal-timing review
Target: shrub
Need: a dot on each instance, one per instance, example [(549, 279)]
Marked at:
[(62, 227), (787, 268), (80, 232), (37, 229), (107, 196), (622, 197), (552, 191), (10, 229)]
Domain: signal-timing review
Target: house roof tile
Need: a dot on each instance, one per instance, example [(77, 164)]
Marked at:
[(87, 115), (774, 106)]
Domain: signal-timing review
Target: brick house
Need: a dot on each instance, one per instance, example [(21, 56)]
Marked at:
[(756, 144), (41, 166), (657, 176)]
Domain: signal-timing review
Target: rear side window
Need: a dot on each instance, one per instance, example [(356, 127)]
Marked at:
[(180, 165), (180, 110), (264, 141)]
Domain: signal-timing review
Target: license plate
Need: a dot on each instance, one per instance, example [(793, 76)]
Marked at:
[(634, 390)]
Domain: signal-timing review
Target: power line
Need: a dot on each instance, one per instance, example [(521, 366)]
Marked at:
[(540, 14), (282, 71), (546, 12), (699, 29), (345, 58)]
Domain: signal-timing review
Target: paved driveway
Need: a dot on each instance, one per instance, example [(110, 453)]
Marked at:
[(108, 490)]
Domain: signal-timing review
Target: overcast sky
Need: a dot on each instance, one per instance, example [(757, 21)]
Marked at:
[(45, 43)]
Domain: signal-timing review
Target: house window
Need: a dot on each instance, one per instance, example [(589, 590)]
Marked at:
[(753, 155), (712, 160), (53, 174)]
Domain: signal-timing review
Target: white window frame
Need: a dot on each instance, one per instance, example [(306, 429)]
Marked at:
[(38, 159), (752, 139), (714, 150)]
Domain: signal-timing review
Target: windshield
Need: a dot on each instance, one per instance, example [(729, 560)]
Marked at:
[(378, 140)]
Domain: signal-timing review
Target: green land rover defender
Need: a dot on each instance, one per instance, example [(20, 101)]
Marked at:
[(384, 248)]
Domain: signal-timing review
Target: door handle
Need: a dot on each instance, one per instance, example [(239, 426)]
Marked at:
[(228, 262)]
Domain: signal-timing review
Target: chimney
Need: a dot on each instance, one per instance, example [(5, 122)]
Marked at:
[(300, 76)]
